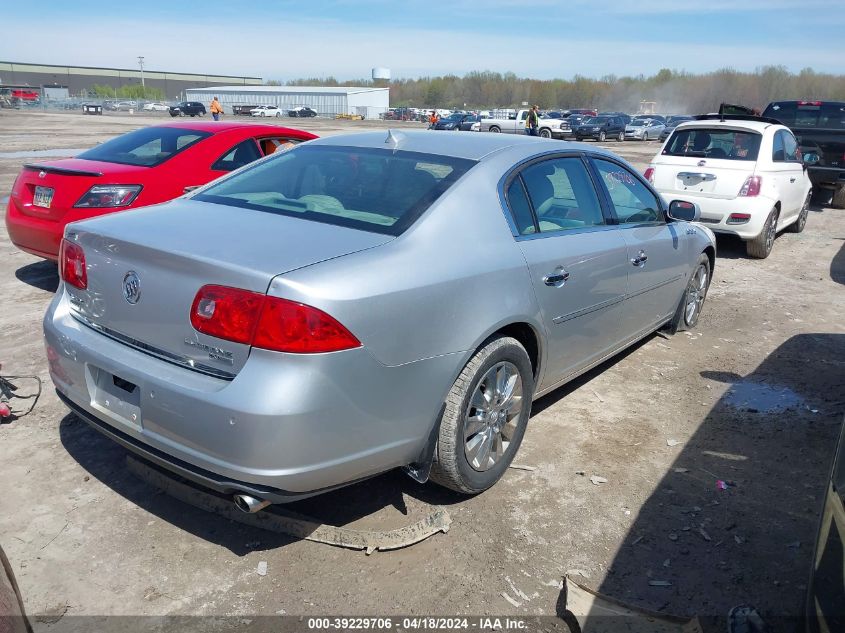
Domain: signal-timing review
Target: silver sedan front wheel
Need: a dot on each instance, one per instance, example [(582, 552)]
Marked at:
[(696, 293), (692, 300), (484, 417)]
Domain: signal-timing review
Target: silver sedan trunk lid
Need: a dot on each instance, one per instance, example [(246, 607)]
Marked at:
[(145, 267)]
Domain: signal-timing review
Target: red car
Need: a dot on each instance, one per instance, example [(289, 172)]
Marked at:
[(150, 165)]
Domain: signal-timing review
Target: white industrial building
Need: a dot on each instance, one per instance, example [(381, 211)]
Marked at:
[(369, 102)]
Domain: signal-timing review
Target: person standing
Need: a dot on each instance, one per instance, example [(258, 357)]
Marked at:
[(216, 109), (532, 123), (432, 120)]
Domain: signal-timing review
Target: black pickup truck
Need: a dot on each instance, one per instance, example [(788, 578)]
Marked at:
[(819, 127)]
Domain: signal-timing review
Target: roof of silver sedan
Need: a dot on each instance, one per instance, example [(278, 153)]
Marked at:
[(471, 145)]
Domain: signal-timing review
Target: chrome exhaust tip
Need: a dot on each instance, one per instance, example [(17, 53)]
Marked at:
[(248, 504)]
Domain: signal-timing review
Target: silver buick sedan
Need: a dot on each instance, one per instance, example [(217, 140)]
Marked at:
[(366, 302)]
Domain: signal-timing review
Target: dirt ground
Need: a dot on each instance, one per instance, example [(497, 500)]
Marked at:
[(753, 396)]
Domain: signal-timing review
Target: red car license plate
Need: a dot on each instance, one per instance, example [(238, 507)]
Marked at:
[(43, 197)]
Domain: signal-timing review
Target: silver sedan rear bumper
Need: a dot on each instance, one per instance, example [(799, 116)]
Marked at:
[(287, 426)]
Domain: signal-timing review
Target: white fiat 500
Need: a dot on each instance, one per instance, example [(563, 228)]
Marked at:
[(745, 173)]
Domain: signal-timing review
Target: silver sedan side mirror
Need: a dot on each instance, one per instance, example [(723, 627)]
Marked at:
[(684, 211)]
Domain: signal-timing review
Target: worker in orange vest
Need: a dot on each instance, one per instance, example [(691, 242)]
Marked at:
[(216, 109), (433, 119)]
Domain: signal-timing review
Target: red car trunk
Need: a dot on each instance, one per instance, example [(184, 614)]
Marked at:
[(162, 160), (63, 182)]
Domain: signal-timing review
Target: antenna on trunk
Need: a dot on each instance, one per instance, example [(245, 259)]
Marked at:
[(392, 139)]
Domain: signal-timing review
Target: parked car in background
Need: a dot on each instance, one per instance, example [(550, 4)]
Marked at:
[(745, 173), (625, 117), (819, 127), (574, 120), (188, 108), (515, 124), (125, 106), (585, 111), (455, 121), (600, 128), (147, 166), (302, 111), (243, 110), (643, 129), (313, 293), (671, 123), (266, 110), (156, 106)]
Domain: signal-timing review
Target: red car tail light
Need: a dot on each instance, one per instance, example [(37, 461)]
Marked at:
[(72, 264), (108, 196), (267, 322), (751, 187), (649, 174)]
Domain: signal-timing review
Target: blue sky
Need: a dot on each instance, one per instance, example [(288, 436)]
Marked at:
[(346, 38)]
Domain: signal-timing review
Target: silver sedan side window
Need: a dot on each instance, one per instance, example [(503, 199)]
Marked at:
[(631, 199), (562, 195)]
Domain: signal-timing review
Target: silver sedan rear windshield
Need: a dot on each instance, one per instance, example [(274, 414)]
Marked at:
[(377, 190), (714, 143)]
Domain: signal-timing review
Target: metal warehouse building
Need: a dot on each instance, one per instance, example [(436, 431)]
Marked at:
[(369, 102), (79, 78)]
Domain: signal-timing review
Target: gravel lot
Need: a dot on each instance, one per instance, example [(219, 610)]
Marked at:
[(662, 423)]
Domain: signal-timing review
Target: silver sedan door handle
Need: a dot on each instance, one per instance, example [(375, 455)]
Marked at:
[(640, 259), (556, 279)]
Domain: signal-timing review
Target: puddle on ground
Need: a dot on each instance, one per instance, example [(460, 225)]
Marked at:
[(763, 398), (43, 153)]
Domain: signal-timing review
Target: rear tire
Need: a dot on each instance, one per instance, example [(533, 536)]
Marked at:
[(800, 223), (621, 137), (602, 136), (838, 200), (484, 417), (495, 129), (278, 115), (692, 300), (761, 246)]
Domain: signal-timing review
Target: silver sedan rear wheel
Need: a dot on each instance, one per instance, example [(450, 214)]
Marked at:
[(492, 416), (484, 417)]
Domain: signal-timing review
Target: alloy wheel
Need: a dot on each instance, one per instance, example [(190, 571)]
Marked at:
[(805, 211), (696, 294), (493, 416), (771, 231)]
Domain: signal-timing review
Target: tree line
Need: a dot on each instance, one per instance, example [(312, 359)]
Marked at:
[(672, 91), (127, 91)]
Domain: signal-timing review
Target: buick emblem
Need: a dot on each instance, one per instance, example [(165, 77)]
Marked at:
[(131, 287), (42, 174)]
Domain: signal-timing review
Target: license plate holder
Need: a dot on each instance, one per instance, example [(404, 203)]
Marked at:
[(116, 396), (43, 197)]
